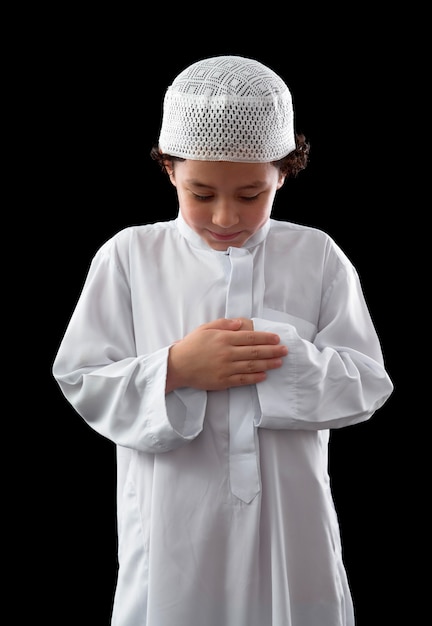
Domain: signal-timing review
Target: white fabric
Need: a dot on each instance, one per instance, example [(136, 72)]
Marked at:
[(228, 108), (190, 552), (243, 458)]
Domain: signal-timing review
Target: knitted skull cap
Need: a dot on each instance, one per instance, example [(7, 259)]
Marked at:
[(228, 108)]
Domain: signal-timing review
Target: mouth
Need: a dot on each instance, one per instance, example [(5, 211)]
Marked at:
[(225, 236)]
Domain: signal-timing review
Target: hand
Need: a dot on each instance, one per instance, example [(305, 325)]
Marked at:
[(222, 354)]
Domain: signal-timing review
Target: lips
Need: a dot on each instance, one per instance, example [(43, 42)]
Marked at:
[(225, 236)]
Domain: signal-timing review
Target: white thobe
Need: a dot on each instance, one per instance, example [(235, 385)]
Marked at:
[(225, 512)]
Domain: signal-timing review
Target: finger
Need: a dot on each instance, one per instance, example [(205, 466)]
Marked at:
[(254, 337), (223, 324), (253, 366), (239, 380), (261, 352)]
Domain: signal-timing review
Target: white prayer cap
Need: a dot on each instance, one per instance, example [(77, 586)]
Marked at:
[(228, 108)]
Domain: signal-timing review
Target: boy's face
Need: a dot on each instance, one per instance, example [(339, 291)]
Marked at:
[(225, 203)]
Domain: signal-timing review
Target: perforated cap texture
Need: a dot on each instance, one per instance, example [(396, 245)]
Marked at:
[(228, 108)]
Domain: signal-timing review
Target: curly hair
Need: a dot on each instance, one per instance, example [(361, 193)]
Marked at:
[(290, 166)]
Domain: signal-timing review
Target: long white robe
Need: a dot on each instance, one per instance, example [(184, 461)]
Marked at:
[(191, 551)]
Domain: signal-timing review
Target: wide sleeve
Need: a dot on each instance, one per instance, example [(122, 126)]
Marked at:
[(119, 393), (335, 379)]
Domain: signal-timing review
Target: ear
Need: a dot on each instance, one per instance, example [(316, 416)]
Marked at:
[(170, 171), (280, 181)]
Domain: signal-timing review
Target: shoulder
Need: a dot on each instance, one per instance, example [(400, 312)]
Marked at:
[(283, 228), (137, 235), (311, 243), (131, 245), (289, 233)]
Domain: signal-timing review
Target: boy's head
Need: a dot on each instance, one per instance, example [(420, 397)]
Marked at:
[(228, 108)]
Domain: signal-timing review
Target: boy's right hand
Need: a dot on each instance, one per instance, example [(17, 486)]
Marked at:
[(222, 354)]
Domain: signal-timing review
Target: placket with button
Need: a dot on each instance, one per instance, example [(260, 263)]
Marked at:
[(244, 471)]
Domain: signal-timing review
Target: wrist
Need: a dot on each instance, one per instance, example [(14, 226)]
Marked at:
[(173, 376)]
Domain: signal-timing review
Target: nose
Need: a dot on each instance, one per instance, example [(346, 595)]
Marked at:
[(225, 215)]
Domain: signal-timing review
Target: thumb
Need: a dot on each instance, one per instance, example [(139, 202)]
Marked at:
[(224, 323)]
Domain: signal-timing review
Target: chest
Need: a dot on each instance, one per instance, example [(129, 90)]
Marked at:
[(174, 293)]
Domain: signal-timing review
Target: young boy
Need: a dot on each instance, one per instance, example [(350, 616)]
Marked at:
[(217, 350)]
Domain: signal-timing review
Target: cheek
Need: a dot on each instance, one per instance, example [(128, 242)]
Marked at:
[(196, 217), (193, 214), (256, 218)]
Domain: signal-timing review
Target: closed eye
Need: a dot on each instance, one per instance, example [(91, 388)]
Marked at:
[(249, 198), (201, 198)]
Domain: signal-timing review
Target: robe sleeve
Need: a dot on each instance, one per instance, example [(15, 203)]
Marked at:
[(335, 379), (118, 393)]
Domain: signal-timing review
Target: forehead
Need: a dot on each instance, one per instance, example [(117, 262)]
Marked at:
[(220, 170)]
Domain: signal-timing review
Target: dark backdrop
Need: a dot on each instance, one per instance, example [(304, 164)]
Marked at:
[(101, 88)]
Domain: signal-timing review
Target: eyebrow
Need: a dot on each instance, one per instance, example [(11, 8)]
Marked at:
[(197, 183)]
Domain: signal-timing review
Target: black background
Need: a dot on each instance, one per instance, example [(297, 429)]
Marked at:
[(100, 83)]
